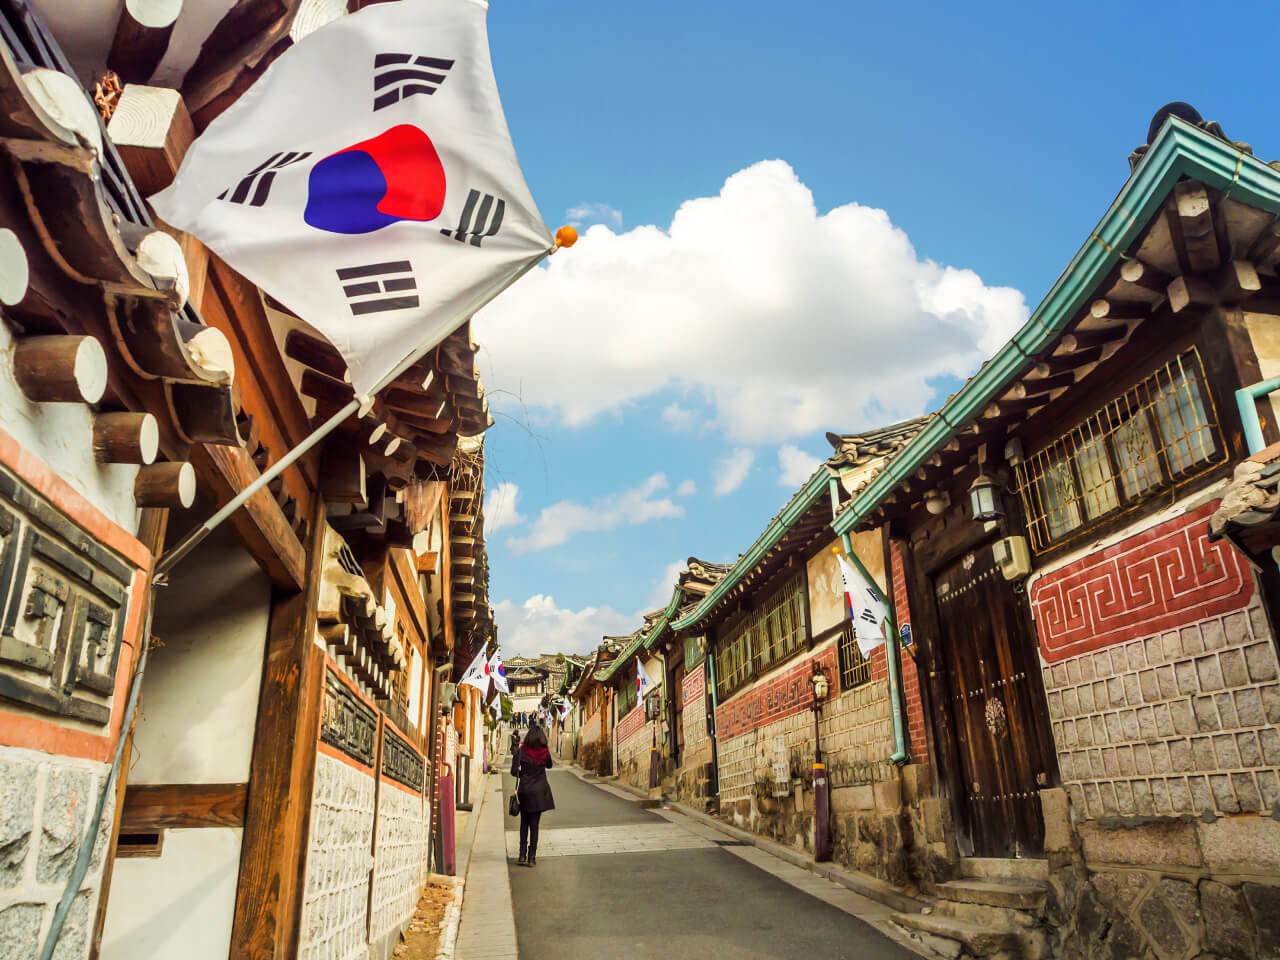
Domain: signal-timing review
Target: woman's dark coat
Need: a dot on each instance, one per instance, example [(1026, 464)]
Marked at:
[(530, 767)]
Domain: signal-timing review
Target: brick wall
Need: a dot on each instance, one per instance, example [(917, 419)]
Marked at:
[(45, 804), (694, 717), (857, 735), (781, 694), (634, 741), (918, 749), (335, 904)]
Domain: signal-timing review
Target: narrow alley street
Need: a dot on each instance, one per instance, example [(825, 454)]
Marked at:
[(614, 879)]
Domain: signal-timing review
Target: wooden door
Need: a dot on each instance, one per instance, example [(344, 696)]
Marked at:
[(995, 696)]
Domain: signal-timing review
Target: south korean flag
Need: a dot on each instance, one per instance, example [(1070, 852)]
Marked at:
[(865, 605), (368, 182)]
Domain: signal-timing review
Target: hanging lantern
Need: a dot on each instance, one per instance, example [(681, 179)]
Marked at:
[(984, 496)]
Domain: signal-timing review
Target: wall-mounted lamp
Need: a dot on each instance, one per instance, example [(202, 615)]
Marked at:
[(937, 501), (984, 497), (821, 686)]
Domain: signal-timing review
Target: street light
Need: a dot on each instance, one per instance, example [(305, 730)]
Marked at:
[(984, 497), (821, 797)]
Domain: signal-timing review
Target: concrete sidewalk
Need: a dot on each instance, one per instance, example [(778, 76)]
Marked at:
[(487, 930)]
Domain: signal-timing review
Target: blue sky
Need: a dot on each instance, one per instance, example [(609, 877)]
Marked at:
[(978, 145)]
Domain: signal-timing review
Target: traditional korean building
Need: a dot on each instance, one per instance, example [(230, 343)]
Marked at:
[(773, 623), (640, 728), (1099, 673), (279, 790), (593, 701), (687, 768)]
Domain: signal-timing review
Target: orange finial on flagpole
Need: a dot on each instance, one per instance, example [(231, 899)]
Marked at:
[(566, 237)]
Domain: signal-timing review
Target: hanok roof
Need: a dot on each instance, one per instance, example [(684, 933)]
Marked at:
[(805, 518), (1195, 219), (1249, 514)]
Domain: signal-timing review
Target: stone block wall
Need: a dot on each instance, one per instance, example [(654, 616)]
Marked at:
[(400, 858), (45, 805), (336, 899), (692, 784), (1163, 688), (635, 738)]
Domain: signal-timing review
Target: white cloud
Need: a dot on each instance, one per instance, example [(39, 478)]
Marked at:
[(664, 585), (686, 489), (731, 471), (500, 508), (594, 213), (795, 466), (677, 417), (783, 319), (540, 626), (559, 522)]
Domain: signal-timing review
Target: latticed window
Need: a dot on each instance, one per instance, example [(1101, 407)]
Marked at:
[(1160, 432), (766, 636), (693, 651), (627, 695), (855, 667)]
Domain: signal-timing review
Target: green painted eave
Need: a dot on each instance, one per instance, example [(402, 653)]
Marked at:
[(664, 619), (623, 658), (796, 508), (1180, 150)]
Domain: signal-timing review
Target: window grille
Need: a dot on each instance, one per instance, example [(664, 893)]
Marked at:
[(627, 696), (693, 651), (1160, 432), (765, 637), (855, 666)]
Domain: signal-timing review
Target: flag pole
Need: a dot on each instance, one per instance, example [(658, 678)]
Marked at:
[(171, 557)]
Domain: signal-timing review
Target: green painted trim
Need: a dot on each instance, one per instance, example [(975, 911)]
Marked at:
[(623, 658), (1179, 150), (796, 507)]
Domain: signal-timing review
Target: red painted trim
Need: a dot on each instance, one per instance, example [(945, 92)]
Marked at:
[(70, 502), (332, 751)]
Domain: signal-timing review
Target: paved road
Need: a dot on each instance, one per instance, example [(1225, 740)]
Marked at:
[(615, 880)]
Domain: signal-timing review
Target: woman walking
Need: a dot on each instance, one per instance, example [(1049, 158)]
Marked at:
[(529, 766)]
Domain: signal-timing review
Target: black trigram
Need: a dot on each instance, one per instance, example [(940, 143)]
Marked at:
[(259, 179), (399, 76), (867, 616), (481, 217), (378, 287)]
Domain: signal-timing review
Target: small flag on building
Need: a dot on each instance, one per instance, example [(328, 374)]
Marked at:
[(367, 181), (477, 674), (865, 605), (643, 683), (498, 673)]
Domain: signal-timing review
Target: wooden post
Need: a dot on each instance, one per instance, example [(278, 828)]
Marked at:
[(142, 38), (278, 814), (60, 369), (126, 438), (166, 485)]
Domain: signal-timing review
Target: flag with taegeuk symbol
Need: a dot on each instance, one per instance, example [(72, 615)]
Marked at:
[(866, 606), (367, 181)]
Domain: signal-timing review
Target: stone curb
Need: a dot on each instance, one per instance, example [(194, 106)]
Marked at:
[(860, 883), (453, 913)]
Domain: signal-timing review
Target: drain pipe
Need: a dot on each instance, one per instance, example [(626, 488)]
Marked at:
[(1246, 398), (893, 652)]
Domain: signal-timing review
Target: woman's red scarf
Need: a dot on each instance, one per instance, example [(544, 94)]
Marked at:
[(536, 754)]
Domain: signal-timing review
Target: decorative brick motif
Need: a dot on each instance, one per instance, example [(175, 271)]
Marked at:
[(399, 858), (1153, 581), (694, 717), (1181, 722), (45, 804), (336, 901), (630, 725), (787, 692)]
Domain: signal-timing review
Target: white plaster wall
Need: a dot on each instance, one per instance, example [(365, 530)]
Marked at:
[(200, 693), (61, 435), (179, 904)]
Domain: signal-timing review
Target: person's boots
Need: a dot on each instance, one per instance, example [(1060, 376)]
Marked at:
[(533, 856), (523, 861)]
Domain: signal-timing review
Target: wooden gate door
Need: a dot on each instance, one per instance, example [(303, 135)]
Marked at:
[(995, 695)]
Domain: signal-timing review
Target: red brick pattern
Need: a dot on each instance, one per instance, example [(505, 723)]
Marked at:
[(694, 685), (631, 724), (910, 678), (1156, 580), (785, 693)]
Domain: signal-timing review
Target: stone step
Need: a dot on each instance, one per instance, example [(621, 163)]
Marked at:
[(976, 939), (996, 868), (1013, 894)]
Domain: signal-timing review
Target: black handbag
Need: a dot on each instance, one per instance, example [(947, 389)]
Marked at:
[(513, 807)]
